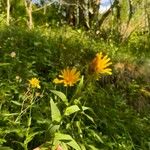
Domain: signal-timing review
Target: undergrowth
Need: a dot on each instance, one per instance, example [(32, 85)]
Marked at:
[(116, 114)]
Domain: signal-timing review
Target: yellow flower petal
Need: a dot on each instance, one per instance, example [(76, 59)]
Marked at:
[(57, 81), (68, 77), (34, 83), (100, 64)]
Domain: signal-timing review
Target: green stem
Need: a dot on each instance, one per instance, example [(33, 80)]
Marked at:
[(77, 93), (66, 91), (22, 106), (29, 122)]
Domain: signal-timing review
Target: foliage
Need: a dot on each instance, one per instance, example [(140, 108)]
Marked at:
[(47, 118), (54, 92)]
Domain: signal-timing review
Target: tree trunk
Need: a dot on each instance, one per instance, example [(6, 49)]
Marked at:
[(85, 9), (28, 6), (8, 12)]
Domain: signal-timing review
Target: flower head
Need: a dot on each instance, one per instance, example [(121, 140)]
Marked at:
[(18, 79), (68, 77), (34, 83), (100, 64), (13, 54)]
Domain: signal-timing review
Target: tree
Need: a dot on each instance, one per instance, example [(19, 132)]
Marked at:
[(28, 7), (8, 12)]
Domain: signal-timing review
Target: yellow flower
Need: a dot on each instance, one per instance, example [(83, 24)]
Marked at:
[(100, 64), (34, 83), (68, 77)]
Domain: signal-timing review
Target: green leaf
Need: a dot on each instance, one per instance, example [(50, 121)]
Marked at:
[(68, 140), (64, 146), (16, 103), (79, 128), (54, 128), (89, 117), (71, 109), (5, 148), (55, 113), (61, 95), (82, 147), (54, 144), (92, 147), (30, 137), (96, 136), (9, 115), (80, 85), (2, 140), (86, 108)]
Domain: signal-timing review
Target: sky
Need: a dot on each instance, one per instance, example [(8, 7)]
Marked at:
[(104, 6)]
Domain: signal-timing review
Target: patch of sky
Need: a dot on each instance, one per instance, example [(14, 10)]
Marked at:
[(35, 1), (105, 5)]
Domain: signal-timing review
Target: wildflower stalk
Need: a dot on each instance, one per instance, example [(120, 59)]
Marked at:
[(66, 91), (29, 121), (79, 92), (22, 111)]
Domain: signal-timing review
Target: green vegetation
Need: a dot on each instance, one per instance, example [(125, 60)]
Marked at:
[(43, 52)]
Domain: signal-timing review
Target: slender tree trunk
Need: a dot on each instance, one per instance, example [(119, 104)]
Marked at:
[(8, 12), (85, 6), (94, 12), (130, 11), (45, 9), (147, 15), (77, 13), (30, 16), (28, 6)]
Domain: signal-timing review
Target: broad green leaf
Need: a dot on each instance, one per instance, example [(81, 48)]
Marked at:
[(71, 109), (5, 148), (61, 95), (54, 128), (54, 144), (82, 147), (55, 113), (64, 146), (68, 140)]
